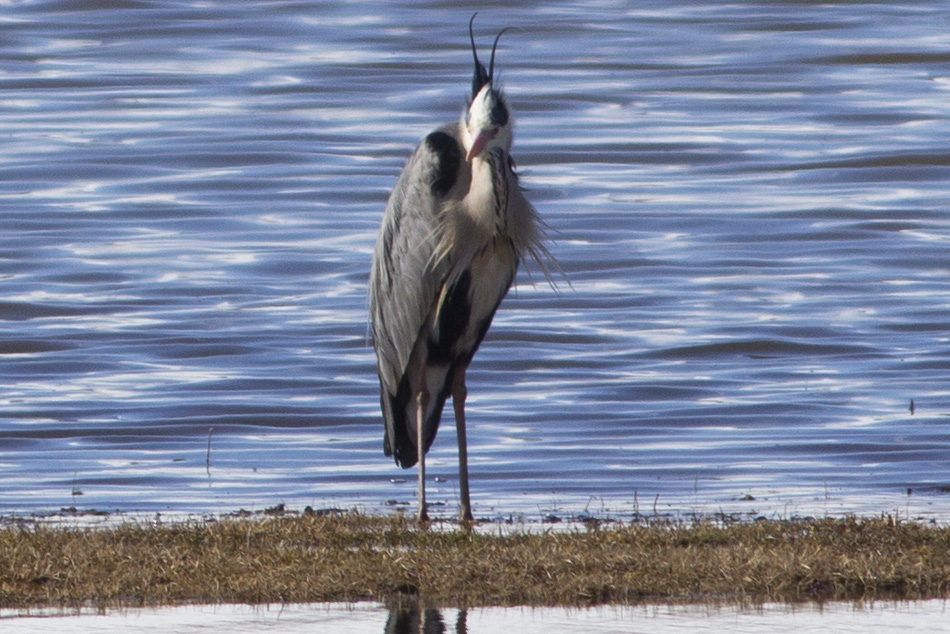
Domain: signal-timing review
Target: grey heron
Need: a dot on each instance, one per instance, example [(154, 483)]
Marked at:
[(455, 228)]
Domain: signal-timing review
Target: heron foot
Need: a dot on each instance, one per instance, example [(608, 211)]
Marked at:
[(422, 517)]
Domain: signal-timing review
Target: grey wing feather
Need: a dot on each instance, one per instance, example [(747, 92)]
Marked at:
[(406, 277)]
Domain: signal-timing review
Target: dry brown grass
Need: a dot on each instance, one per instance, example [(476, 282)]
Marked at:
[(355, 557)]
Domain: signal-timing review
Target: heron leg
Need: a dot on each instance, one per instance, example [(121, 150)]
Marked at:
[(422, 402), (459, 392)]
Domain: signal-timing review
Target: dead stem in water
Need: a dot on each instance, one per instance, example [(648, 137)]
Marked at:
[(354, 557)]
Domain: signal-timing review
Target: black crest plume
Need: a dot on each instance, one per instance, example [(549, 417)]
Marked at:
[(481, 77)]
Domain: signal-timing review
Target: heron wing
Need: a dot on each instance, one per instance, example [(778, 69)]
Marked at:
[(407, 276)]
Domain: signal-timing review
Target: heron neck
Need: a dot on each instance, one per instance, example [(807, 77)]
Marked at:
[(487, 199)]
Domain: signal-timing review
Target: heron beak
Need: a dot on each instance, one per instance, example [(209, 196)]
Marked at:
[(484, 136)]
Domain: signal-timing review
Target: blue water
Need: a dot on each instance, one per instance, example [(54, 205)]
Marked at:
[(749, 202)]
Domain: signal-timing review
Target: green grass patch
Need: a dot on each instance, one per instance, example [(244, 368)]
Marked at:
[(352, 557)]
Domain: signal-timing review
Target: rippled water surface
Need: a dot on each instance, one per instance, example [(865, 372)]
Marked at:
[(749, 203)]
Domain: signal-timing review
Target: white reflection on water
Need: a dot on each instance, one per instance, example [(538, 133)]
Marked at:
[(922, 617)]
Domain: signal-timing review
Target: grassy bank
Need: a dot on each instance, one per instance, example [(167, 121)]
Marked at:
[(355, 557)]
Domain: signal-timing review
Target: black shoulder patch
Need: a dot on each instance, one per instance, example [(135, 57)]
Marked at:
[(447, 151)]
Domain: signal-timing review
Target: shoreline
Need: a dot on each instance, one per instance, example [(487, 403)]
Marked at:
[(338, 556)]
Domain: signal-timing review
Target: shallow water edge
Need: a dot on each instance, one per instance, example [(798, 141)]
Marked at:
[(926, 617)]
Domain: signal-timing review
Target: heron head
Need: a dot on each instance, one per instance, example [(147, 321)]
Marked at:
[(487, 121)]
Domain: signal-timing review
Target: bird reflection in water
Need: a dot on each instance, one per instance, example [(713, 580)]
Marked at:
[(415, 620)]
